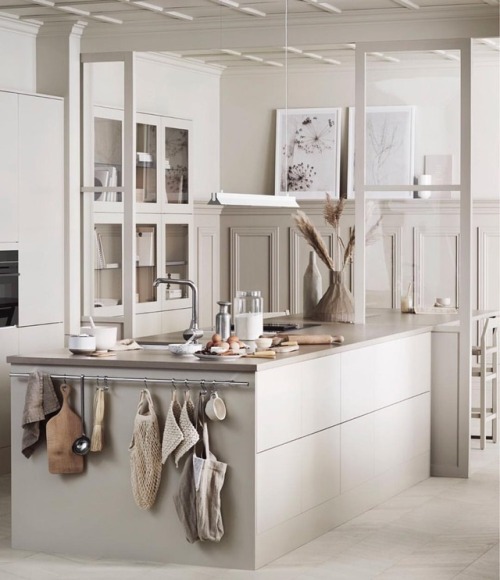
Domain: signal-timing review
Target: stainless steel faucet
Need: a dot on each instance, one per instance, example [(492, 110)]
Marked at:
[(193, 328)]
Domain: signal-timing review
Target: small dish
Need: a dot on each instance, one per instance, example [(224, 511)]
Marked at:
[(184, 349), (81, 351), (263, 342), (81, 344), (218, 357)]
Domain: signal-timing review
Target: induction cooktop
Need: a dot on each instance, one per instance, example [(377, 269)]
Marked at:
[(283, 326)]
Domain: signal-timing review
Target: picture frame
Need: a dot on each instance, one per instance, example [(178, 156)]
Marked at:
[(390, 146), (307, 162)]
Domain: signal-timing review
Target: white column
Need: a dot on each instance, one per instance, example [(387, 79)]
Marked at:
[(58, 73)]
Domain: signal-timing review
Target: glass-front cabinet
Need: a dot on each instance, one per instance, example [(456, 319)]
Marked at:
[(163, 215), (146, 169), (177, 157), (147, 251), (106, 273), (178, 258), (163, 172), (107, 157)]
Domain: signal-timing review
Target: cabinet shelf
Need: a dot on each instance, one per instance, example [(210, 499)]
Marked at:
[(109, 267)]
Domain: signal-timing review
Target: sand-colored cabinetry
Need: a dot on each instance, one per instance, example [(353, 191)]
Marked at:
[(338, 435)]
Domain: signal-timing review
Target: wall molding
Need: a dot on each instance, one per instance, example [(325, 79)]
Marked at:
[(484, 233), (207, 235), (272, 234), (420, 234)]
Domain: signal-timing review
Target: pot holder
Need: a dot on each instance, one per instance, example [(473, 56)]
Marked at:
[(172, 433), (186, 424)]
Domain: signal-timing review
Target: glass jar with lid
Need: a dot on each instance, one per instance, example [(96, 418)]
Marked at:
[(248, 309)]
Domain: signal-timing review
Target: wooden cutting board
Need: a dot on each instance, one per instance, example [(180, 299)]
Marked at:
[(62, 431)]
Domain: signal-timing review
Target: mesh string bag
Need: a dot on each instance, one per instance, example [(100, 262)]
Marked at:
[(145, 453)]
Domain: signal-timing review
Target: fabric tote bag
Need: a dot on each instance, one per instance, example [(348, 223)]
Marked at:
[(198, 501), (145, 453)]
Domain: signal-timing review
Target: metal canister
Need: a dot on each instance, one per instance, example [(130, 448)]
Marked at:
[(223, 320)]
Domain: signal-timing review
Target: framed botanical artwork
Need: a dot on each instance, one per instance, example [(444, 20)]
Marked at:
[(307, 152), (389, 159)]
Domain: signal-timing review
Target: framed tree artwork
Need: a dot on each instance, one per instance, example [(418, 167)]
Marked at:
[(307, 152), (389, 158)]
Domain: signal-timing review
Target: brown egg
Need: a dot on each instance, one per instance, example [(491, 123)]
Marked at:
[(234, 346), (216, 337), (233, 338), (209, 345)]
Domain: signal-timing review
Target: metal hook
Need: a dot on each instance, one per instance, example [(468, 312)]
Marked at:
[(186, 385), (106, 386), (97, 383), (174, 386), (145, 383), (202, 386)]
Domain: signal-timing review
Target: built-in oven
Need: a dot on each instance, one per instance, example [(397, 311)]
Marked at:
[(9, 288)]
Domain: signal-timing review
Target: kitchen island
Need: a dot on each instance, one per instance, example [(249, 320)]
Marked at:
[(311, 439)]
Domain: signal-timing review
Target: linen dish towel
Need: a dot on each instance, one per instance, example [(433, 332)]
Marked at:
[(172, 433), (186, 424), (40, 402), (145, 453)]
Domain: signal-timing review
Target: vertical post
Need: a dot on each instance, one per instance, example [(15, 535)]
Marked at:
[(129, 221), (465, 290), (359, 186)]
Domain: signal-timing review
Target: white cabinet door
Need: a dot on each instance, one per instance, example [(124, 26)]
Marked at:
[(8, 168), (8, 346), (41, 205)]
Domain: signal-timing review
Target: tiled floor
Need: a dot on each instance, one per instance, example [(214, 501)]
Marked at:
[(438, 529)]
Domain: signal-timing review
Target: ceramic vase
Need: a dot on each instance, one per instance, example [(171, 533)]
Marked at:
[(337, 303), (312, 287)]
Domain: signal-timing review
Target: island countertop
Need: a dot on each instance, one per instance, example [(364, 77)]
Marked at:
[(380, 326)]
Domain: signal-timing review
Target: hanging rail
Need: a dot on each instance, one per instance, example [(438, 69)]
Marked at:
[(174, 382)]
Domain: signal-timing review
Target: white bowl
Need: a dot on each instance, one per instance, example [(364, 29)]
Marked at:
[(81, 344), (443, 301), (183, 348), (105, 336), (264, 342)]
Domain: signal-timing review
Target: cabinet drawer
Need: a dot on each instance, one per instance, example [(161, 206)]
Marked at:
[(297, 400), (296, 477), (384, 374)]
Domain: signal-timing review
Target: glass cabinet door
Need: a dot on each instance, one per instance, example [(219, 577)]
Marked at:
[(108, 278), (146, 263), (177, 262), (146, 166), (176, 165), (108, 156)]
